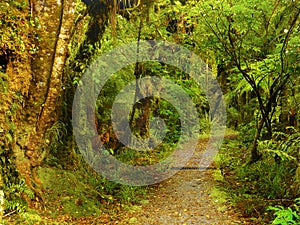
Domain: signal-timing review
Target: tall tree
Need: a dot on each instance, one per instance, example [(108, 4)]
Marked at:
[(255, 36), (33, 76), (35, 38)]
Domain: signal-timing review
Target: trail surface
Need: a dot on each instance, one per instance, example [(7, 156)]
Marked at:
[(186, 199), (191, 196)]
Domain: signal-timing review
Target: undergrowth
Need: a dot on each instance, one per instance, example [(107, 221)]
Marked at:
[(79, 193), (288, 215), (254, 188)]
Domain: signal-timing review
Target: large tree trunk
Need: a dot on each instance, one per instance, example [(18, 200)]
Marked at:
[(57, 51), (31, 99), (34, 87)]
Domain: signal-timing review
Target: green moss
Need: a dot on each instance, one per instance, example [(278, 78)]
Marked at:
[(220, 197), (70, 192)]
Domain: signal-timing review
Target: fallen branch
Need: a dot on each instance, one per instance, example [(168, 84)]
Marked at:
[(10, 213)]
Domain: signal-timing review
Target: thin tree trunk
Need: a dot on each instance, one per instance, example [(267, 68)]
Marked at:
[(141, 124), (255, 156)]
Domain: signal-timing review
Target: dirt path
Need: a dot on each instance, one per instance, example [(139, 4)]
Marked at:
[(186, 199)]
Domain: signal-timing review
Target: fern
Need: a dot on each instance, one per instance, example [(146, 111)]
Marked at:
[(285, 146), (286, 216), (13, 196)]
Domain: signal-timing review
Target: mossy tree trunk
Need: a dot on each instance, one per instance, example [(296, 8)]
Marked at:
[(31, 80), (34, 85)]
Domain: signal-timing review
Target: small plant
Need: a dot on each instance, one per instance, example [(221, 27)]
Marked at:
[(14, 193), (287, 216), (130, 195)]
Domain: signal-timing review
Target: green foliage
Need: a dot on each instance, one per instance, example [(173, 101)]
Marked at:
[(14, 200), (255, 44), (71, 192), (54, 136), (58, 153), (17, 28), (82, 192), (273, 179), (3, 83), (259, 53), (282, 145), (153, 28), (286, 216), (30, 217), (267, 179), (128, 194)]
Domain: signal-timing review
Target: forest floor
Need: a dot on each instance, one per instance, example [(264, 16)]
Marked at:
[(191, 196)]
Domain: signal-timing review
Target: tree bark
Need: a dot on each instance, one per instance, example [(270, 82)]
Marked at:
[(48, 113), (34, 88)]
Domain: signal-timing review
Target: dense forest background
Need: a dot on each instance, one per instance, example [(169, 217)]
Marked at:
[(252, 47)]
